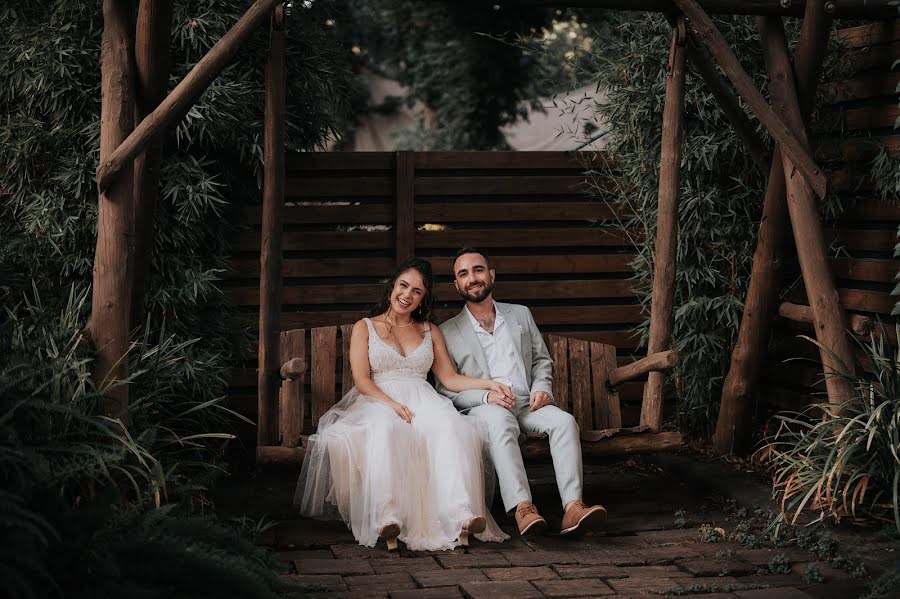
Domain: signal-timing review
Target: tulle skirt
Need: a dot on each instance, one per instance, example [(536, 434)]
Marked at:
[(370, 468)]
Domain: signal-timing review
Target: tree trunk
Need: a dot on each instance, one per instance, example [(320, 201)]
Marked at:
[(111, 297), (664, 263), (830, 319), (151, 49), (739, 393), (270, 252)]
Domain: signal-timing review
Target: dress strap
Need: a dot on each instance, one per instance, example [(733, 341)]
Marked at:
[(427, 327)]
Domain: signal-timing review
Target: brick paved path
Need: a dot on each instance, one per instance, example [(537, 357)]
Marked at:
[(647, 549)]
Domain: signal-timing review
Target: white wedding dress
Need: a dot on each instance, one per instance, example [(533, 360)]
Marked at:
[(371, 468)]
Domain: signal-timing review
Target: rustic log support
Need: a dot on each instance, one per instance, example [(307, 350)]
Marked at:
[(176, 104), (151, 51), (293, 369), (860, 325), (736, 414), (111, 294), (790, 142), (837, 355), (653, 363), (271, 238), (664, 263), (843, 9), (729, 104)]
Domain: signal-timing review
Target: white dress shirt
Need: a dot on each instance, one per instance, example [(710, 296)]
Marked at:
[(502, 360)]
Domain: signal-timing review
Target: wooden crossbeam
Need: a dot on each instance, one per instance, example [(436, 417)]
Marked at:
[(791, 146), (186, 93)]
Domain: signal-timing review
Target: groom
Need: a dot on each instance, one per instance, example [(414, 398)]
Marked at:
[(501, 342)]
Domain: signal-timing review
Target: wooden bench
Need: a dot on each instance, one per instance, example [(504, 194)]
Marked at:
[(585, 377)]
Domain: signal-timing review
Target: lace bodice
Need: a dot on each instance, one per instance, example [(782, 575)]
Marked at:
[(385, 360)]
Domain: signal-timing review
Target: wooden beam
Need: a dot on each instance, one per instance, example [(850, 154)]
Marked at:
[(729, 104), (860, 324), (173, 108), (404, 206), (293, 368), (837, 355), (664, 263), (151, 54), (652, 363), (270, 251), (291, 397), (111, 295), (791, 146), (736, 421), (844, 9)]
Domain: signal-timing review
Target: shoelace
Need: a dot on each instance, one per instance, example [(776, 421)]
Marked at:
[(528, 509)]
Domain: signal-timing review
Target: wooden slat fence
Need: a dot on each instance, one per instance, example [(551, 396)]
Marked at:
[(350, 217), (861, 102)]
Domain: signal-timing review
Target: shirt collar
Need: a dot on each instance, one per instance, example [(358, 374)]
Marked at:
[(476, 325)]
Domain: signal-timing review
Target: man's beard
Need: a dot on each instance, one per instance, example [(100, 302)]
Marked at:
[(478, 297)]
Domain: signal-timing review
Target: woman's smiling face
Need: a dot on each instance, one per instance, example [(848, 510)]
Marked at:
[(409, 290)]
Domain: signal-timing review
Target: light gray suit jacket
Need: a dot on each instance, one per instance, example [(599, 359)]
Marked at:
[(469, 359)]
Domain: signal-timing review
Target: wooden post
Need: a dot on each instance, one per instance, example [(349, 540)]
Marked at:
[(151, 51), (727, 102), (270, 252), (830, 319), (736, 414), (664, 262), (791, 145), (111, 294), (291, 398), (185, 94), (404, 204)]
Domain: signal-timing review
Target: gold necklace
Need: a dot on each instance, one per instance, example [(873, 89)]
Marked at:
[(399, 326)]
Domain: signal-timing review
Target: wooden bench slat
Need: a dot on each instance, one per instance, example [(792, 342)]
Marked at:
[(559, 353), (324, 348), (346, 374), (291, 398), (580, 374), (607, 410)]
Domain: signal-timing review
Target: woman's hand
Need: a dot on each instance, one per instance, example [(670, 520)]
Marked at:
[(501, 389), (401, 410)]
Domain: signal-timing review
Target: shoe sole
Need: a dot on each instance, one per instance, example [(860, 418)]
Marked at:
[(594, 519), (536, 527)]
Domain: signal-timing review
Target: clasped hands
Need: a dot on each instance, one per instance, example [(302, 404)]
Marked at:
[(501, 395)]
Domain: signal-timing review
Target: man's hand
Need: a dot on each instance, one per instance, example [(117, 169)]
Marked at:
[(539, 399), (500, 395)]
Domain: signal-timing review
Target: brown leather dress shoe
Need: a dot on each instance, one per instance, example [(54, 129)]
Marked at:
[(529, 520), (581, 517)]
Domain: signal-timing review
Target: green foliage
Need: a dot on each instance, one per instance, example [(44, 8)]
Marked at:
[(778, 564), (720, 198), (813, 573), (80, 508), (847, 463), (886, 585), (451, 57)]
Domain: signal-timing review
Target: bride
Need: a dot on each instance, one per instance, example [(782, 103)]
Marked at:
[(393, 458)]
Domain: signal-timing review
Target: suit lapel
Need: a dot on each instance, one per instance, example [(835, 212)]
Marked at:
[(515, 330), (471, 340)]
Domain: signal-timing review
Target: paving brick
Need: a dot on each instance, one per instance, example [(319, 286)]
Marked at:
[(661, 571), (633, 557), (380, 582), (518, 589), (333, 566), (292, 556), (780, 593), (717, 567), (539, 558), (403, 564), (761, 557), (354, 551), (369, 594), (773, 580), (307, 534), (521, 573), (669, 537), (478, 560), (589, 587), (434, 593), (638, 586), (443, 578), (590, 571), (331, 582)]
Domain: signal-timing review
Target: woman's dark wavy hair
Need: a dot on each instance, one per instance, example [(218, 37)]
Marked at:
[(423, 312)]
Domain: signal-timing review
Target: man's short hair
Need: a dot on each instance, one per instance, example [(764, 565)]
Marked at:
[(469, 250)]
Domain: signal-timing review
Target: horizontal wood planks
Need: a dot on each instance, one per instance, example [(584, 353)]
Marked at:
[(859, 111), (555, 248)]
